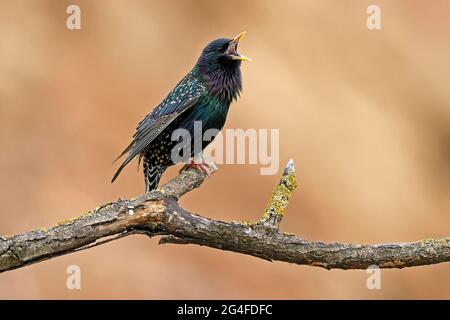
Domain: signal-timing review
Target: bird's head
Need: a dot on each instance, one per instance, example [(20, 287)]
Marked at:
[(223, 51), (219, 64)]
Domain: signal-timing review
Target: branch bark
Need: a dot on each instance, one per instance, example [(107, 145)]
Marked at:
[(159, 214)]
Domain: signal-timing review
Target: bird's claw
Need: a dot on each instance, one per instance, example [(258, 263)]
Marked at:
[(198, 166)]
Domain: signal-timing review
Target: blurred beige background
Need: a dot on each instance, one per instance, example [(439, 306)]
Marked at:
[(365, 114)]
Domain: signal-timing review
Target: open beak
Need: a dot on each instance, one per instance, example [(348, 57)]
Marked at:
[(232, 48)]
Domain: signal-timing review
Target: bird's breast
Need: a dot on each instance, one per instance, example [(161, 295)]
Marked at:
[(211, 113)]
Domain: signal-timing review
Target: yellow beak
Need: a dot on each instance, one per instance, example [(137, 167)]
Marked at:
[(239, 36), (236, 40)]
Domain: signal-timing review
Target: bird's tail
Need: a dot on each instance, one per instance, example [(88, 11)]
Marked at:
[(152, 176), (127, 160)]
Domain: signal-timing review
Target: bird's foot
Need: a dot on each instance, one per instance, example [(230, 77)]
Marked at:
[(198, 166)]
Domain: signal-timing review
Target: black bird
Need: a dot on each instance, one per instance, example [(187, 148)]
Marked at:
[(204, 94)]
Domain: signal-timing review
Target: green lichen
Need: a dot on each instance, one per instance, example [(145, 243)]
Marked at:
[(69, 220), (73, 219)]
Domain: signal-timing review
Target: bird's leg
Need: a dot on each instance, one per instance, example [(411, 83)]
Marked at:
[(198, 166)]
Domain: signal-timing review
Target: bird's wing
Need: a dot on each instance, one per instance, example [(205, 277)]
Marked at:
[(154, 123)]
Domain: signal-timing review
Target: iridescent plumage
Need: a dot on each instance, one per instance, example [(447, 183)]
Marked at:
[(204, 94)]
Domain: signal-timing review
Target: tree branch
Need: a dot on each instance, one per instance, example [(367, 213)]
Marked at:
[(158, 214)]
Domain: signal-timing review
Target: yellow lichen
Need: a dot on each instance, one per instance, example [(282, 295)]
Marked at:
[(73, 219), (280, 196)]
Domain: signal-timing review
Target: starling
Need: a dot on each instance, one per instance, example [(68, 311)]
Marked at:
[(204, 95)]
